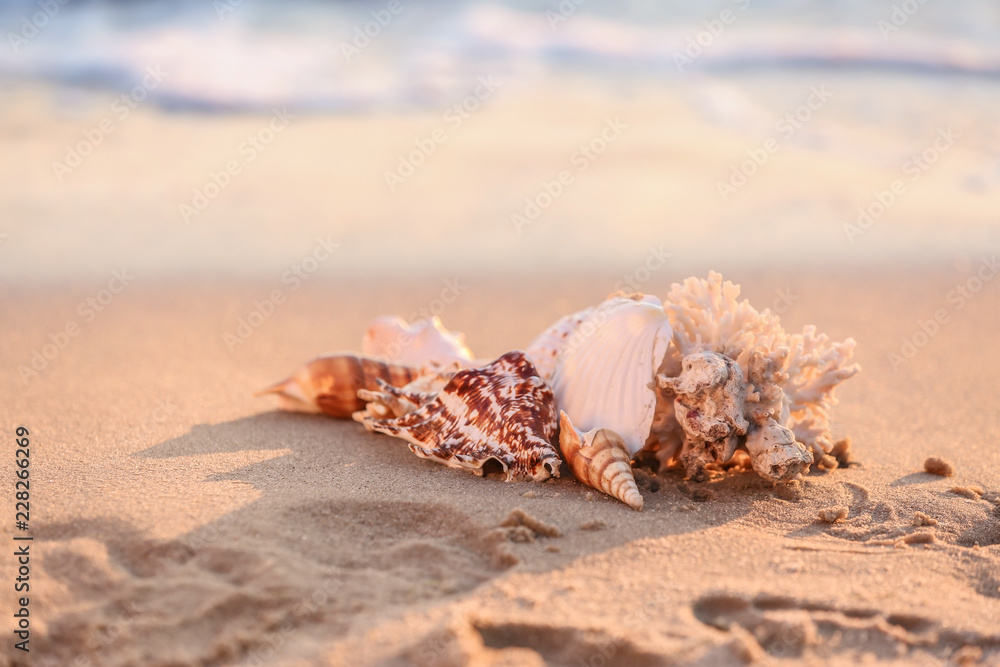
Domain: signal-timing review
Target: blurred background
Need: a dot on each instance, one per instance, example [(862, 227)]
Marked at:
[(224, 138)]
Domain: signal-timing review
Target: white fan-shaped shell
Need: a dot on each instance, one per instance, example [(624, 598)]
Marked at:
[(604, 370), (391, 338)]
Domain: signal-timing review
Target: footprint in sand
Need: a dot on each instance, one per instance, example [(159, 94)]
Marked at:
[(526, 645), (784, 627), (120, 593), (897, 516)]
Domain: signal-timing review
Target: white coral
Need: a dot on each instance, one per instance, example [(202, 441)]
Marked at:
[(790, 377), (816, 367)]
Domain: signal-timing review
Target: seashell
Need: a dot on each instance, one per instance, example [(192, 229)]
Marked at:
[(391, 339), (599, 459), (502, 411), (544, 350), (693, 380), (391, 402), (330, 384), (605, 370), (732, 370)]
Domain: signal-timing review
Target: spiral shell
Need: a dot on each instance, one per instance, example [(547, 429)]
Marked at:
[(605, 370), (599, 459), (330, 384)]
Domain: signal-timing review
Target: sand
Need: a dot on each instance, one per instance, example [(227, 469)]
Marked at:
[(180, 521)]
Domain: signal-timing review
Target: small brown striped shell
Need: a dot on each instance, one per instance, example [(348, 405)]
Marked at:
[(502, 411), (600, 459), (330, 384)]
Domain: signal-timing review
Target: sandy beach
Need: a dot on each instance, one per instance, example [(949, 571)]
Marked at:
[(182, 522), (268, 199)]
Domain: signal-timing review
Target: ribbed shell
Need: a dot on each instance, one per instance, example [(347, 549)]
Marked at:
[(544, 350), (604, 371), (330, 384), (600, 460)]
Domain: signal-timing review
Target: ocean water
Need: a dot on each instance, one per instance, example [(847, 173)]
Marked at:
[(701, 86), (233, 55)]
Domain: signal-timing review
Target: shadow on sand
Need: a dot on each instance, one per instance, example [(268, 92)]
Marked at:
[(349, 526)]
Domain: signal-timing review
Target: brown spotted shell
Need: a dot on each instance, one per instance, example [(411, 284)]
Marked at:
[(502, 411)]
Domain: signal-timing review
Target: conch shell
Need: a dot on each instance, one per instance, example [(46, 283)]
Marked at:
[(330, 384), (604, 372), (599, 459), (391, 339), (502, 412)]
